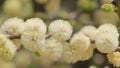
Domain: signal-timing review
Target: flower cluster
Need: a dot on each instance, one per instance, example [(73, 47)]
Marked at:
[(106, 40), (58, 42)]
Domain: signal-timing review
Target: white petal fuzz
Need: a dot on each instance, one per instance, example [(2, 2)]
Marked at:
[(86, 55), (114, 58), (13, 26), (51, 50), (70, 54), (106, 43), (108, 28), (80, 41), (36, 24), (7, 48), (30, 39), (61, 30), (89, 31)]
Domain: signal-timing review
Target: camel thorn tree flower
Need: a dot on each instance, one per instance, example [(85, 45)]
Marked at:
[(52, 44)]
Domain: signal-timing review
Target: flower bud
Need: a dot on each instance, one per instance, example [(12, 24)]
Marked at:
[(108, 28), (107, 7), (29, 41)]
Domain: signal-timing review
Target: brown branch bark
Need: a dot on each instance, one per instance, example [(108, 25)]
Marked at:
[(14, 37), (19, 36), (47, 37), (117, 5), (107, 65)]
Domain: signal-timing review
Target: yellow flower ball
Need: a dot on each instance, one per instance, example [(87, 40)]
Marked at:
[(114, 58), (7, 48), (30, 41)]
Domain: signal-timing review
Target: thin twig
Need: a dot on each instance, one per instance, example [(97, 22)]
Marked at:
[(14, 37), (92, 41), (118, 49), (48, 36), (107, 65)]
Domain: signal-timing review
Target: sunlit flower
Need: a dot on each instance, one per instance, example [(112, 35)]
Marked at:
[(89, 31), (60, 30), (106, 43), (36, 24), (7, 48), (108, 28), (80, 41), (13, 26), (72, 54), (30, 41), (114, 58), (51, 50)]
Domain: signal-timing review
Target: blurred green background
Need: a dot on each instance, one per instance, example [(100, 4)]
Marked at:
[(78, 12)]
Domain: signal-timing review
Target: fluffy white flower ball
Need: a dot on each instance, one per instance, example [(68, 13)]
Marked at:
[(106, 43), (89, 31), (13, 26), (78, 49), (51, 50), (36, 25), (108, 28), (106, 40), (30, 41), (7, 48), (60, 30), (86, 55), (80, 41), (72, 54)]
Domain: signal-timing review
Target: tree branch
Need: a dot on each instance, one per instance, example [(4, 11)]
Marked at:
[(107, 65), (14, 37), (117, 5)]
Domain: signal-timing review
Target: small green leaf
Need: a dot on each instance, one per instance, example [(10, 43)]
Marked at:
[(118, 29), (37, 53), (107, 7)]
